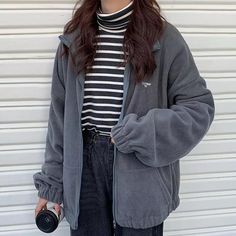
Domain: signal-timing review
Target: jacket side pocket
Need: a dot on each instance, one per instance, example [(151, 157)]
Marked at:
[(140, 194), (165, 185), (176, 178)]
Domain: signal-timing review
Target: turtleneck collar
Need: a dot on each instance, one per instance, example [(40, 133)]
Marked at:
[(115, 21)]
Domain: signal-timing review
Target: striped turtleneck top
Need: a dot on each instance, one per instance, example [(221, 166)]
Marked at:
[(103, 87)]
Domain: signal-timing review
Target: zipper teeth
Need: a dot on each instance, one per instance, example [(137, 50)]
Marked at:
[(113, 205), (127, 70), (81, 162)]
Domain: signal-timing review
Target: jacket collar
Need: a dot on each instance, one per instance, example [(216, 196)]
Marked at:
[(67, 39)]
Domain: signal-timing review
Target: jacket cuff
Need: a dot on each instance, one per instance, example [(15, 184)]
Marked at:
[(120, 139), (52, 194)]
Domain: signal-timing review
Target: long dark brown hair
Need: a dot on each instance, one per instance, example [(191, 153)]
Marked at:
[(144, 28)]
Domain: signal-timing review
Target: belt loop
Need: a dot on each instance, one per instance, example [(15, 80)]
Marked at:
[(94, 136)]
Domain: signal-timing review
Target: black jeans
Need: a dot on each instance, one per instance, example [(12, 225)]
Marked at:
[(95, 218)]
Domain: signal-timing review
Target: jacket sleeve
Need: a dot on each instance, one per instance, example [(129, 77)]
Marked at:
[(48, 181), (163, 136)]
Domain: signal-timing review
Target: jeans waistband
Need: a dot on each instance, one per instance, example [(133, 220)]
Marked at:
[(95, 136)]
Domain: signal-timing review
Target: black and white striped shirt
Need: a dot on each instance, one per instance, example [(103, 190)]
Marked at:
[(103, 87)]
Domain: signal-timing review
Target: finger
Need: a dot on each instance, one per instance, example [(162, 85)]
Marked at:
[(37, 210), (45, 207), (41, 205), (57, 208)]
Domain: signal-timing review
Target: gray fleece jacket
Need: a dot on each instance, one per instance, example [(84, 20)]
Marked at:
[(161, 121)]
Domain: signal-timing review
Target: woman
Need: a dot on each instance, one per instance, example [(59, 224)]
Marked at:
[(127, 103)]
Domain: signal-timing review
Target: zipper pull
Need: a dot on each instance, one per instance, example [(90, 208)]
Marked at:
[(114, 224)]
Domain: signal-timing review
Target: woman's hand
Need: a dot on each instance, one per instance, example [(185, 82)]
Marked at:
[(42, 204), (112, 140)]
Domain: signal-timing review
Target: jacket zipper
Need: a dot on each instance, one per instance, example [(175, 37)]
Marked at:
[(126, 84), (79, 82)]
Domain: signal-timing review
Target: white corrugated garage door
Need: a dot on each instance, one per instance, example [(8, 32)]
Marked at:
[(28, 39)]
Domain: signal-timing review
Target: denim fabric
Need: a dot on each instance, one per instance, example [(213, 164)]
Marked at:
[(95, 218)]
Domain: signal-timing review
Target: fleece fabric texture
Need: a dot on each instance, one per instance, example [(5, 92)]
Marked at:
[(162, 120)]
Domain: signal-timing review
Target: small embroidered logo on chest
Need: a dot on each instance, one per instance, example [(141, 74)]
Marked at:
[(145, 84)]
